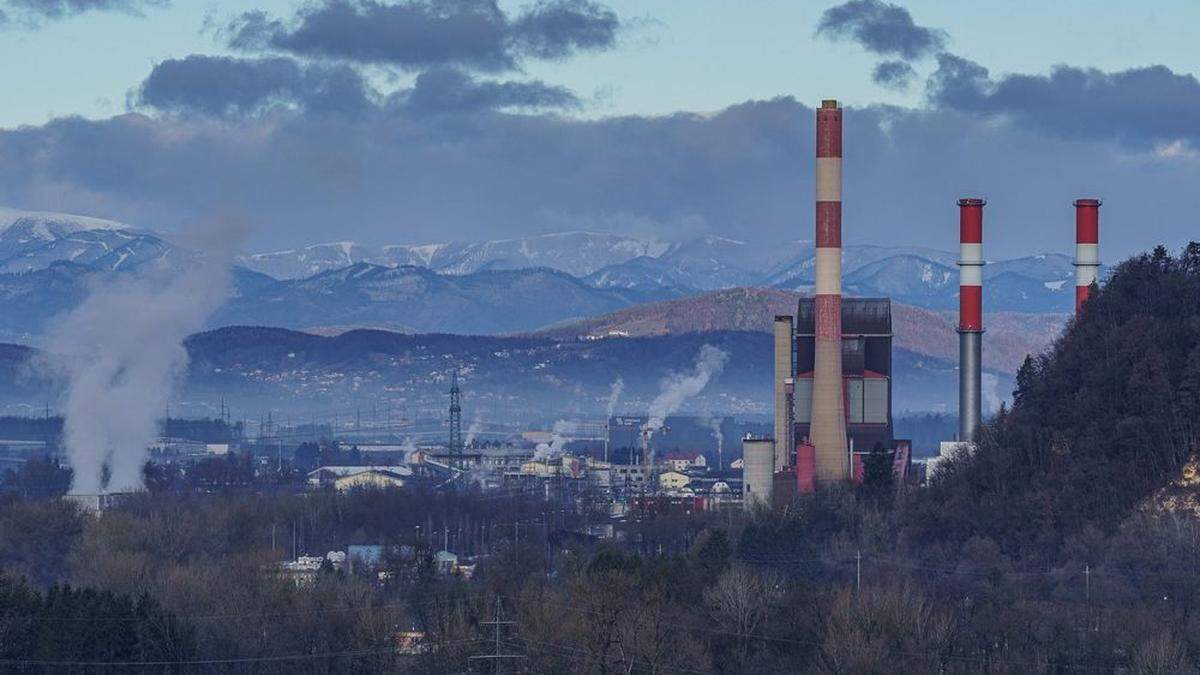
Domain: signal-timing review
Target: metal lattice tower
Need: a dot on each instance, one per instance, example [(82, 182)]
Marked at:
[(455, 448)]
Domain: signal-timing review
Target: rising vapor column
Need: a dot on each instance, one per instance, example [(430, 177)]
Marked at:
[(970, 317), (828, 429), (1087, 249)]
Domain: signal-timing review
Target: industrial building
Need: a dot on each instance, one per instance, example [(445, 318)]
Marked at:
[(758, 472), (866, 371)]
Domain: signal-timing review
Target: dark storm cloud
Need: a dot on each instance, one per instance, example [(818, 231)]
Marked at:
[(893, 74), (447, 90), (881, 28), (557, 29), (1139, 106), (221, 85), (746, 171), (36, 10), (418, 34)]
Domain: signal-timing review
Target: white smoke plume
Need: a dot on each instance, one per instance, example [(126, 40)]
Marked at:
[(474, 430), (122, 352), (990, 391), (410, 450), (714, 423), (563, 430), (614, 395), (677, 388)]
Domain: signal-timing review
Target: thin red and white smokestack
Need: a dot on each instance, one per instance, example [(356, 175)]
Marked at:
[(1087, 249), (828, 429), (970, 317)]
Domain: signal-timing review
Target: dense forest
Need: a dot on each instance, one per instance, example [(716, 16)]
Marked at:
[(1067, 540)]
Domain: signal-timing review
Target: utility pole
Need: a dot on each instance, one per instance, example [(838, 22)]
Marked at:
[(858, 571), (497, 657)]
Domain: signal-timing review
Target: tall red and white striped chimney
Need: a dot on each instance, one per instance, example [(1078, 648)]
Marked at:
[(1087, 249), (828, 426), (970, 317)]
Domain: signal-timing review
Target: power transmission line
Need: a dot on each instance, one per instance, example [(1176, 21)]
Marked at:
[(496, 657)]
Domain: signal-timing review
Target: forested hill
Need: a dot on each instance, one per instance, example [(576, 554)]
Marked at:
[(1109, 415)]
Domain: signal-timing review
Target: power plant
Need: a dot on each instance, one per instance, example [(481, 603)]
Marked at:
[(833, 360)]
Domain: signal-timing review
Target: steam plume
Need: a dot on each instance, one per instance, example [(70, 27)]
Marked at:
[(121, 352), (474, 430), (410, 450), (563, 430), (679, 387), (991, 393), (714, 423), (614, 395)]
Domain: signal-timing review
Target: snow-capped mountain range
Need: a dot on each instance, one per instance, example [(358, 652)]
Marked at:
[(915, 275), (509, 285), (32, 241), (576, 253)]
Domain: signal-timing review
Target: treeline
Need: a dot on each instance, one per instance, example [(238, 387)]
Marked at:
[(823, 586), (203, 571), (1099, 423), (48, 429), (68, 628)]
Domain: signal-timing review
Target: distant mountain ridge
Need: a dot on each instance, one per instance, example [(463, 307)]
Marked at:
[(920, 331), (914, 275), (640, 268), (417, 300), (47, 262), (517, 377), (577, 253)]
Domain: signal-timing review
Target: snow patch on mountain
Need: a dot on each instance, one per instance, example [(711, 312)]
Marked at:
[(47, 225)]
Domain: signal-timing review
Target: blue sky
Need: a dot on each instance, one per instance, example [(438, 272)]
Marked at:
[(309, 138), (682, 55)]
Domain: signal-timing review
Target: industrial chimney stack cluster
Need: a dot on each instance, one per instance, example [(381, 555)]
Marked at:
[(970, 298), (827, 401)]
